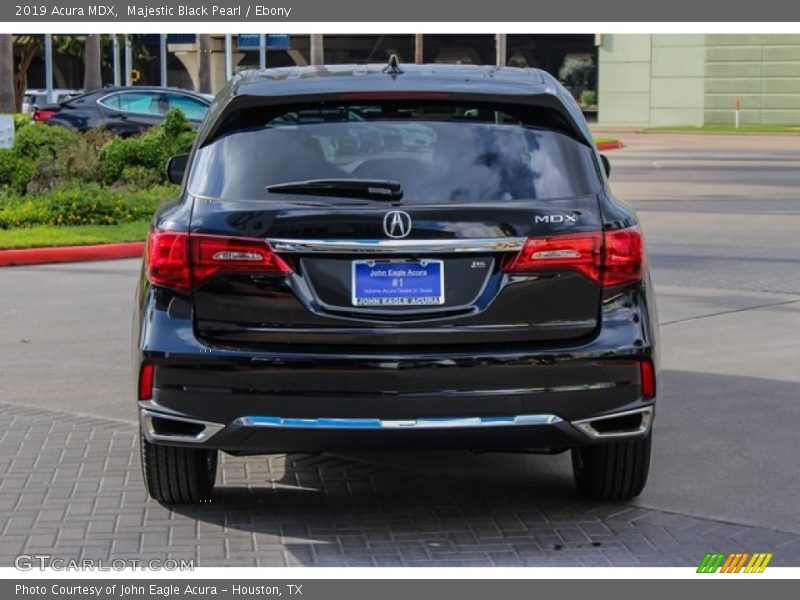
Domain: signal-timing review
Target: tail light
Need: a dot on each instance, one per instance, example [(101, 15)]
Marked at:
[(581, 253), (648, 379), (623, 260), (146, 382), (609, 259), (43, 115), (184, 261), (167, 259)]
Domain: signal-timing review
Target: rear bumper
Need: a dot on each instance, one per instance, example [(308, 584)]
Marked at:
[(255, 402), (267, 434)]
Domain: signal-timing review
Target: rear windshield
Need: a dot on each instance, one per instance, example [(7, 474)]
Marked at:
[(438, 152)]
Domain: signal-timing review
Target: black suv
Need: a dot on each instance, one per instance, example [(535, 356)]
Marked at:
[(394, 256)]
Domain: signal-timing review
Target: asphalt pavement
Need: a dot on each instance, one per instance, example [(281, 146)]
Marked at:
[(721, 216)]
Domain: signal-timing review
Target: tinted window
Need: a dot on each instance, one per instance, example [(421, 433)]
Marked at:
[(441, 152), (145, 103), (192, 108)]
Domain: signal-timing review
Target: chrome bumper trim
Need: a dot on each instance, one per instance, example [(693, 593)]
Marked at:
[(300, 246), (148, 428), (423, 423), (585, 425)]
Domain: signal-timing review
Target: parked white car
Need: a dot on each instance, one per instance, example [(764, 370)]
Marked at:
[(38, 97)]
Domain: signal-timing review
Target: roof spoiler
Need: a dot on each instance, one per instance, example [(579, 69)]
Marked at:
[(559, 116)]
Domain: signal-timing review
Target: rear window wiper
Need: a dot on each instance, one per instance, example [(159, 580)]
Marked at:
[(371, 189)]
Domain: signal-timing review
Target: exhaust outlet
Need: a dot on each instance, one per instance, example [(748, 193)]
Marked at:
[(164, 427), (629, 423)]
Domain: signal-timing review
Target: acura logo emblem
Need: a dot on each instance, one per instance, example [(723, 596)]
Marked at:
[(397, 224)]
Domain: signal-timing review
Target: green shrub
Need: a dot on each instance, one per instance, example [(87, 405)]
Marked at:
[(588, 98), (15, 172), (55, 176), (86, 204), (38, 140), (578, 70), (46, 157), (20, 120), (75, 162), (141, 177), (150, 150)]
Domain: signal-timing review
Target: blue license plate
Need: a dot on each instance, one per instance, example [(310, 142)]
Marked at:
[(409, 283)]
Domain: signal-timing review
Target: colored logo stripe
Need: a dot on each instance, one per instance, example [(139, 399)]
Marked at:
[(734, 562), (758, 563), (710, 563)]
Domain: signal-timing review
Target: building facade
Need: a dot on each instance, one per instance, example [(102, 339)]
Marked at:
[(656, 80)]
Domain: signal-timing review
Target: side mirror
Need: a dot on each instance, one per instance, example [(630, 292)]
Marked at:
[(176, 167), (606, 165)]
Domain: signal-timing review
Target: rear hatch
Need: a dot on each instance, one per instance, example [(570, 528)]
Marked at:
[(396, 224)]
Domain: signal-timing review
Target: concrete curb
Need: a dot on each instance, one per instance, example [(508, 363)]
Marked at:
[(38, 256)]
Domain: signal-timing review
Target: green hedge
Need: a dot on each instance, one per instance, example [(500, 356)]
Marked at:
[(90, 204), (589, 98), (147, 152), (20, 120), (16, 172), (40, 140), (46, 157), (53, 176)]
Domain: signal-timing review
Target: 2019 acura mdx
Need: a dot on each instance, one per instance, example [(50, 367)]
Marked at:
[(412, 256)]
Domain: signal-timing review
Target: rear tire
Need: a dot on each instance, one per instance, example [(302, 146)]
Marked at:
[(613, 470), (177, 475)]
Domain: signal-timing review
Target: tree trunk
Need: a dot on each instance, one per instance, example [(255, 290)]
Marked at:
[(92, 78), (204, 63), (419, 53), (8, 102), (30, 49)]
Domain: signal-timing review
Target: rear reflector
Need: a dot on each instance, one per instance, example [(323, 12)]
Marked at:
[(146, 381), (609, 259), (648, 378), (44, 115), (184, 261)]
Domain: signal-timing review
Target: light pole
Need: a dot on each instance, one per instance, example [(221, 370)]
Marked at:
[(128, 60), (117, 78), (163, 57), (501, 46), (228, 57), (262, 51), (48, 66)]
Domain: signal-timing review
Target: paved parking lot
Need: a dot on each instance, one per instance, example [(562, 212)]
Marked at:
[(721, 216)]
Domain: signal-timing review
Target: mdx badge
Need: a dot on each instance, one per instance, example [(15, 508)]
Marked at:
[(397, 224), (557, 218)]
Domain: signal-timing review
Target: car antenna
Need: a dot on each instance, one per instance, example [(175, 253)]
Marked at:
[(393, 68)]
